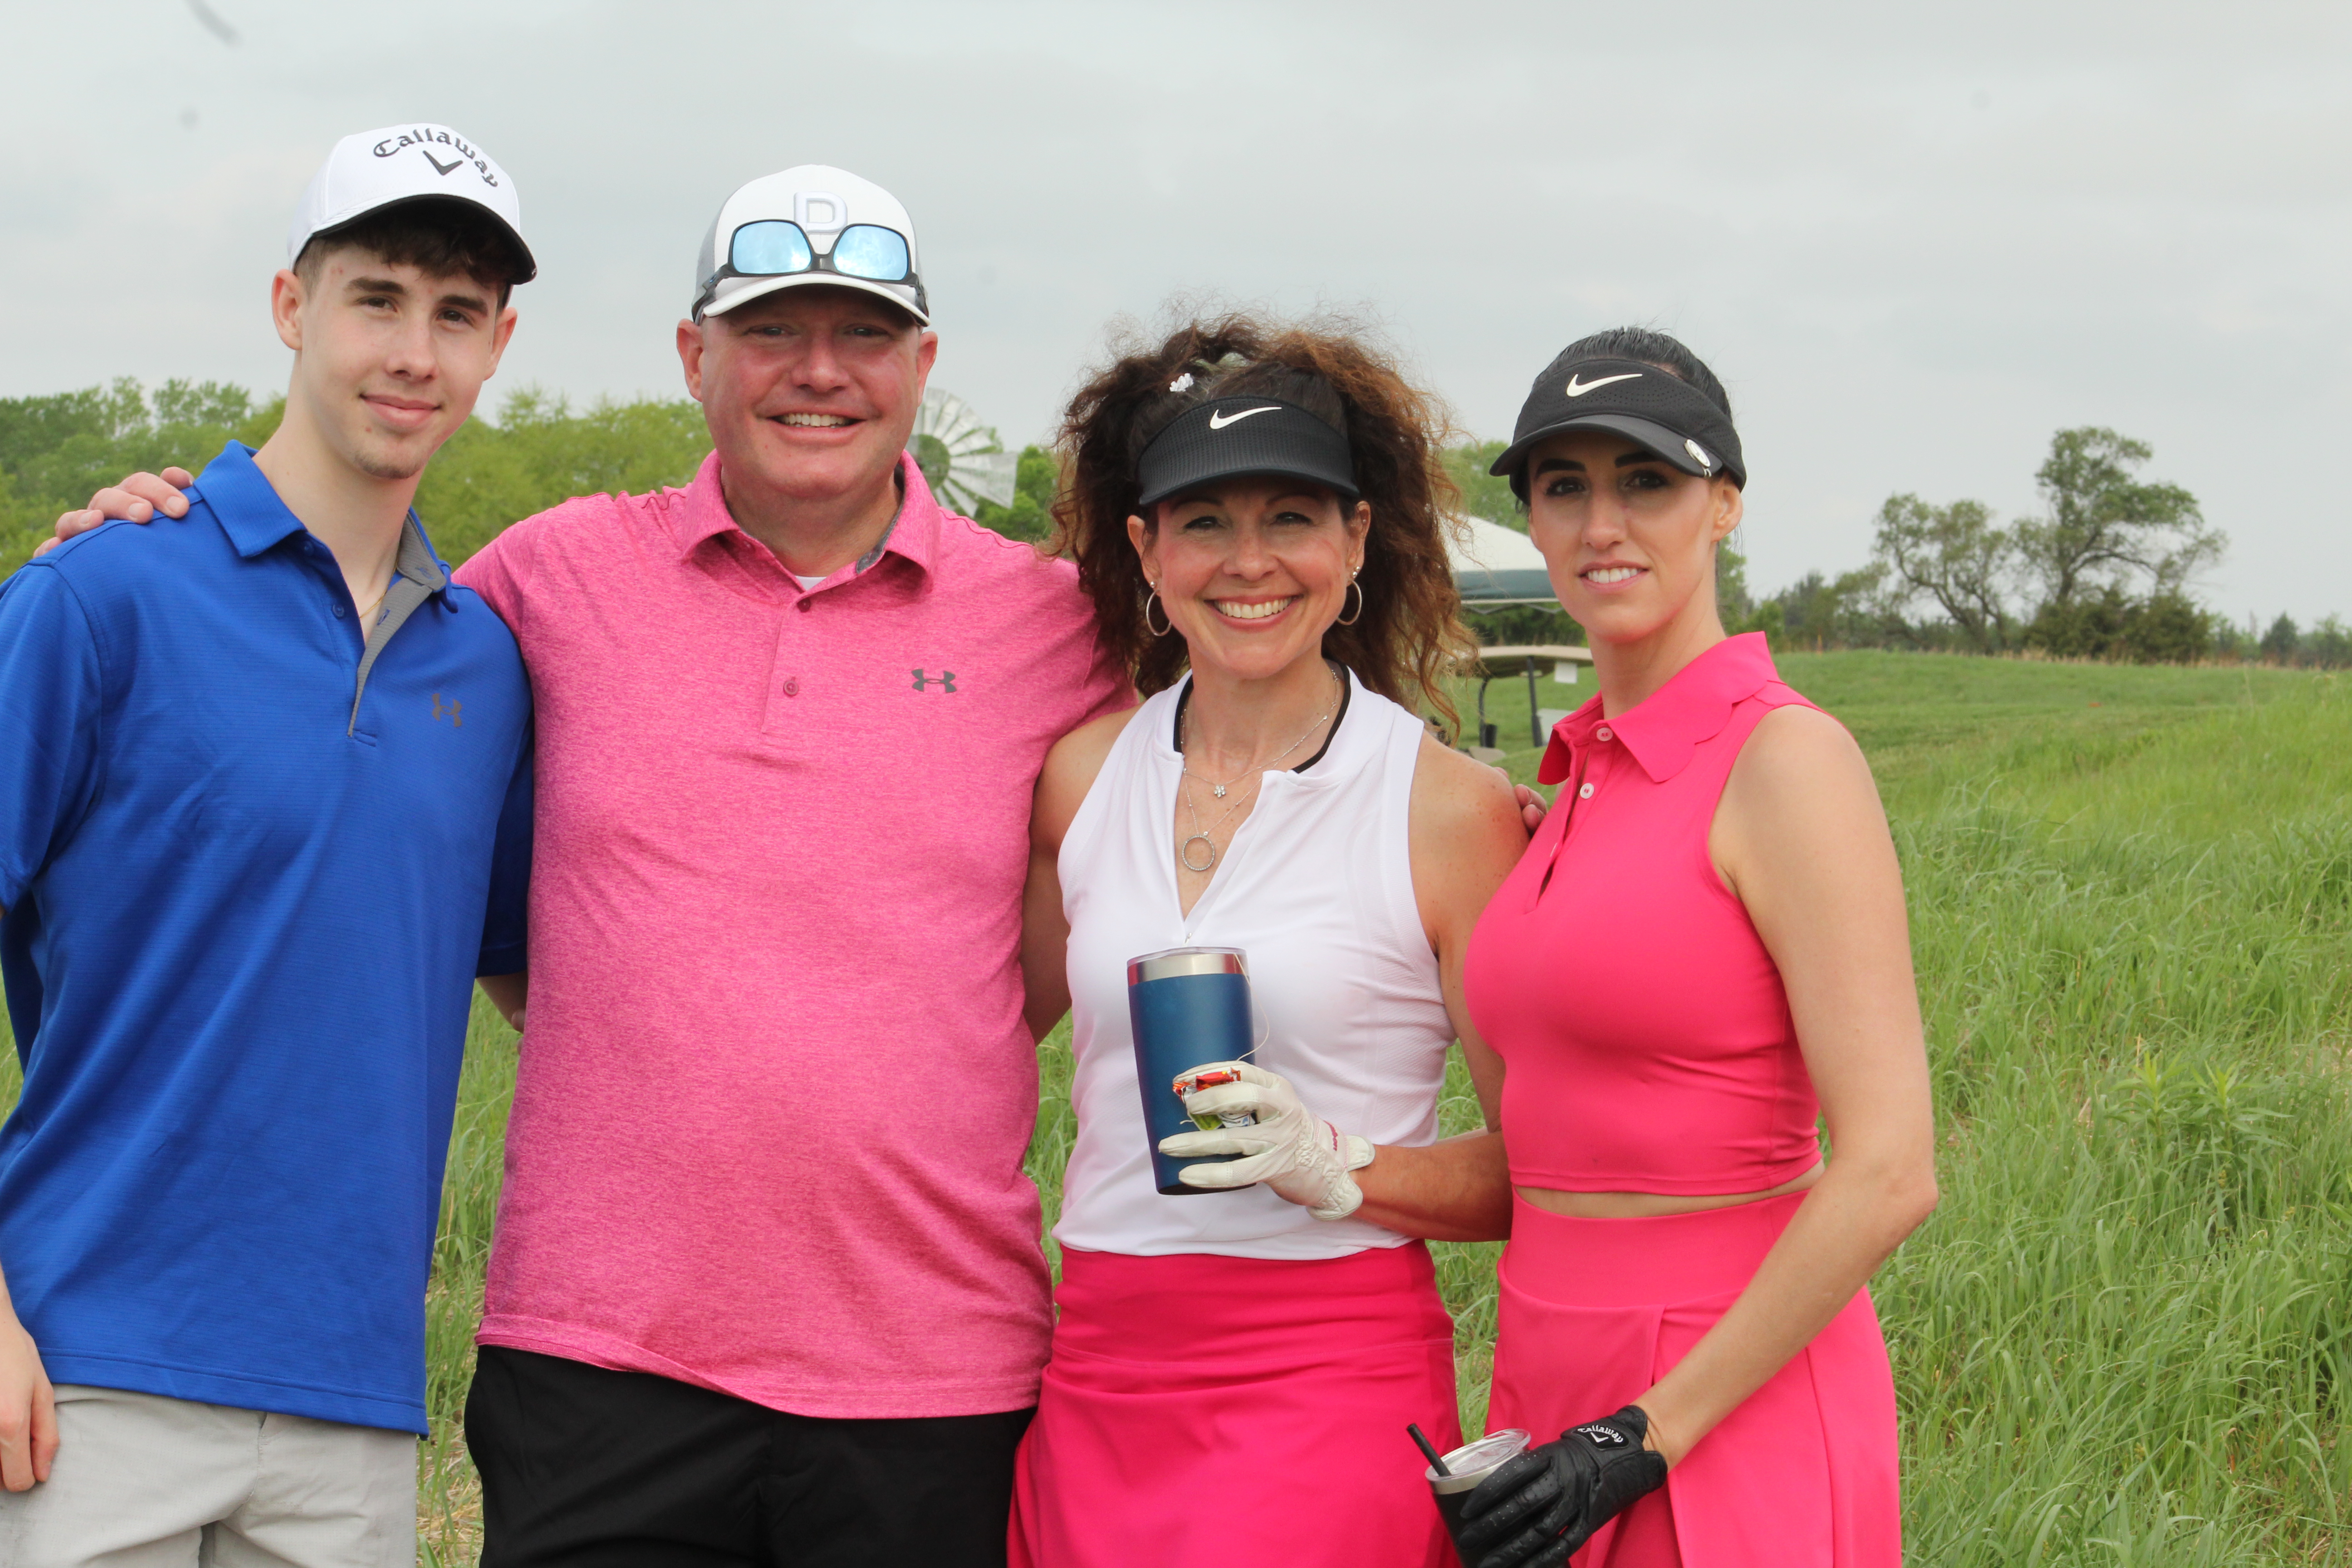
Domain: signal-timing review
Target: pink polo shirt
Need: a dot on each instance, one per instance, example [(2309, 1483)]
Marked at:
[(776, 1086)]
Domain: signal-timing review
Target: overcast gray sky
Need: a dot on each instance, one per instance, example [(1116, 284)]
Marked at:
[(1914, 241)]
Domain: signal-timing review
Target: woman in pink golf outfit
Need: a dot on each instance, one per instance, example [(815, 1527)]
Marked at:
[(1257, 514), (1703, 948)]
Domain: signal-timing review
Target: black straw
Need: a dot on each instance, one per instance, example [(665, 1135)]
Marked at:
[(1435, 1463)]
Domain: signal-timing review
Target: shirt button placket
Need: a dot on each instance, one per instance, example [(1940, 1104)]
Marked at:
[(1603, 734), (793, 682), (784, 680)]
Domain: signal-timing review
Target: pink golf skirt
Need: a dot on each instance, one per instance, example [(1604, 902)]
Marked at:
[(1244, 1412), (1802, 1474)]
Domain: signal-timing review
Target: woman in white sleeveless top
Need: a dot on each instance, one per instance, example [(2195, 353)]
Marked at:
[(1233, 1373)]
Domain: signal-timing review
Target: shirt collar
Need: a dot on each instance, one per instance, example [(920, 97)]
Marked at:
[(416, 561), (1664, 730), (914, 532), (247, 508)]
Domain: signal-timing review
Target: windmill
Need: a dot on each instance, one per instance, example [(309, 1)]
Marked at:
[(962, 459)]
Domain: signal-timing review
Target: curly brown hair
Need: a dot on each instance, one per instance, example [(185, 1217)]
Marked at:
[(1408, 637)]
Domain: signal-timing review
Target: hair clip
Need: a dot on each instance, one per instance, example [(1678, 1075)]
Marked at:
[(1181, 383)]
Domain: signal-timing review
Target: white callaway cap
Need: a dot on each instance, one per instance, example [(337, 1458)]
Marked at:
[(837, 215), (402, 164)]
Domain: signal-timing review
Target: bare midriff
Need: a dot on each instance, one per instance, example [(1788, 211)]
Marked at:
[(1650, 1205)]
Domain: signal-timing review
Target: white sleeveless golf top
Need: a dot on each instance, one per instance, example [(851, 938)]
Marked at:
[(1317, 889)]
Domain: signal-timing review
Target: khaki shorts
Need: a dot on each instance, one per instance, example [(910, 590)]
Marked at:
[(141, 1482)]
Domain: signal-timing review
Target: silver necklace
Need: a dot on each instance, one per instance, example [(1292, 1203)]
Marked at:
[(1219, 789), (1201, 835)]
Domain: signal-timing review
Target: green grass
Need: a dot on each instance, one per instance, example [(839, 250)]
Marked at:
[(2126, 1336)]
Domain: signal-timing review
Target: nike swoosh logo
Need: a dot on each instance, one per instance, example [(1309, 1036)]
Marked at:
[(439, 166), (1576, 390), (1219, 421)]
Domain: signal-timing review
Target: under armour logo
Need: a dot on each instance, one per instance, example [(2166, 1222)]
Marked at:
[(944, 680), (448, 710)]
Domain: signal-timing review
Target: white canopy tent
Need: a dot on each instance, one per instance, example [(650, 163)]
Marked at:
[(1498, 566)]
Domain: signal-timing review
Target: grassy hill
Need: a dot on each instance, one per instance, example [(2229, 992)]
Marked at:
[(2123, 1337)]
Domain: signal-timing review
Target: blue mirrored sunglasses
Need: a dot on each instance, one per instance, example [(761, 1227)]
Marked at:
[(777, 248)]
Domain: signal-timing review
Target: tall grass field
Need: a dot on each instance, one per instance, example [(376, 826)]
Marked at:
[(2125, 1338)]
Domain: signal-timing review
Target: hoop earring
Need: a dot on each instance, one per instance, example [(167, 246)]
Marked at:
[(1352, 620), (1156, 631)]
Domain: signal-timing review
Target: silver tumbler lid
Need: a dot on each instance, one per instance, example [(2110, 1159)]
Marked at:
[(1474, 1462), (1174, 961)]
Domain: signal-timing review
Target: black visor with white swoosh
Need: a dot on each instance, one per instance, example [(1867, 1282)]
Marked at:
[(1228, 436), (1652, 408)]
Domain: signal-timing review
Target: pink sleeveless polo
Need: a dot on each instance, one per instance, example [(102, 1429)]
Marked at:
[(1648, 1048), (1646, 1037)]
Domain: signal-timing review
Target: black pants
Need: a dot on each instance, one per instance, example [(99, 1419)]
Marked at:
[(585, 1467)]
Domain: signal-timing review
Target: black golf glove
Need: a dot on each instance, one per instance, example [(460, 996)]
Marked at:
[(1536, 1509)]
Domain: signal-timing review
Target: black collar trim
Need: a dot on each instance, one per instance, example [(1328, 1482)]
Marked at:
[(1347, 693)]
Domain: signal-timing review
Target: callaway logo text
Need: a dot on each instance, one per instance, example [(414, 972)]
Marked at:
[(415, 138), (1606, 1437), (1576, 389), (944, 680), (1220, 419)]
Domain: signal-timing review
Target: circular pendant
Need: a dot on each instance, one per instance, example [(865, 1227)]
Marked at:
[(1184, 853)]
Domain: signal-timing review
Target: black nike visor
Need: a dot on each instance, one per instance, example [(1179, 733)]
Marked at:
[(1229, 436), (1656, 410)]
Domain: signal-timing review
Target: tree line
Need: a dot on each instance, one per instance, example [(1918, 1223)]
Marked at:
[(2104, 571), (54, 450)]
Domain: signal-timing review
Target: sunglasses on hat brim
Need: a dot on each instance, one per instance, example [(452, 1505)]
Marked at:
[(778, 247)]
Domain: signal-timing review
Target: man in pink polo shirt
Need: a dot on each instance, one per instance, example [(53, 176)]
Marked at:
[(767, 1286)]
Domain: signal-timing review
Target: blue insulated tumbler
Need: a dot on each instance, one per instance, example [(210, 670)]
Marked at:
[(1188, 1005)]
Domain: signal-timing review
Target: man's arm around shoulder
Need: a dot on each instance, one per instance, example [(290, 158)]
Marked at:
[(137, 498)]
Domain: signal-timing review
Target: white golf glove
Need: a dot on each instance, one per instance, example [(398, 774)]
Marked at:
[(1299, 1154)]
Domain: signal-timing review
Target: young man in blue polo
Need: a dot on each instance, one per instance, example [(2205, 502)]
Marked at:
[(264, 816)]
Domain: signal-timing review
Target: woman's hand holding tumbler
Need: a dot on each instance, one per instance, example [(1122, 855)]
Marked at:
[(1540, 1507), (1299, 1155)]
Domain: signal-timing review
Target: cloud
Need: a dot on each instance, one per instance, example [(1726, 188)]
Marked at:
[(1914, 245)]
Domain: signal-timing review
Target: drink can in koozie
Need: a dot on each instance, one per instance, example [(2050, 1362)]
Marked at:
[(1469, 1465), (1215, 1076), (1188, 1005)]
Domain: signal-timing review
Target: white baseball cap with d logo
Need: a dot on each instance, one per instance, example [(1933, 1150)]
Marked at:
[(813, 224), (400, 163)]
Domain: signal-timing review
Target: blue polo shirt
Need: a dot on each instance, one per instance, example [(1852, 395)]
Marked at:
[(252, 861)]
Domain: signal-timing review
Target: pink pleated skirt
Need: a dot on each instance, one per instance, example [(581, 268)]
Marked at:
[(1242, 1412), (1802, 1474)]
